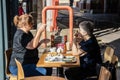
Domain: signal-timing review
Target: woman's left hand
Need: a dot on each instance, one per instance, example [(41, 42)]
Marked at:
[(45, 41)]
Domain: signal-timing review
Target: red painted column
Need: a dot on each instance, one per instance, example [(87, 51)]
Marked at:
[(55, 14)]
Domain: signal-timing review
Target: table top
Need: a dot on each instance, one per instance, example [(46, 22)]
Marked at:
[(42, 63)]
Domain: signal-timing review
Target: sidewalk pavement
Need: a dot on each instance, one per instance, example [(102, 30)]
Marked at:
[(112, 38)]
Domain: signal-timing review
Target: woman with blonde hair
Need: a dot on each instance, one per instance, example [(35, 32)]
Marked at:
[(25, 46)]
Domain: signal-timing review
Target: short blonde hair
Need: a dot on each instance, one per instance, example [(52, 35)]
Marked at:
[(22, 20)]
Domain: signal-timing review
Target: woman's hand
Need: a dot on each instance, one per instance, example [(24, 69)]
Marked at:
[(34, 43), (45, 41), (42, 27)]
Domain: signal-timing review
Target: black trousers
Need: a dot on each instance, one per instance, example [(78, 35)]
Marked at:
[(79, 73)]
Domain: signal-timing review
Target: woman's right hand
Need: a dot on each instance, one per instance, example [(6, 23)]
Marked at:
[(42, 27)]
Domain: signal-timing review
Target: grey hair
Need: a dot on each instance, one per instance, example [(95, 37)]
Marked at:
[(88, 26)]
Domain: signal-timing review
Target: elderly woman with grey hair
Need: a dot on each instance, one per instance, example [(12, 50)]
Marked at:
[(86, 46)]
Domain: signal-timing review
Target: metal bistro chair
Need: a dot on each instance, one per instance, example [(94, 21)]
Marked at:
[(7, 59), (20, 75)]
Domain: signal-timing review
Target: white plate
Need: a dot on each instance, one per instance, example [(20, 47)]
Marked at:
[(72, 60), (69, 57)]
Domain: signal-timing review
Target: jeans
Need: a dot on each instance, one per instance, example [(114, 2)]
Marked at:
[(29, 70)]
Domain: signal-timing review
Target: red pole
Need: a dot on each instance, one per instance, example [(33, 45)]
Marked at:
[(55, 14), (59, 8)]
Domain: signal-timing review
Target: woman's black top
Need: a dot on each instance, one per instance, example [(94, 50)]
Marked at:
[(20, 52)]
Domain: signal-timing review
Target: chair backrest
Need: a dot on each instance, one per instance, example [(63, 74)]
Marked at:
[(104, 74), (20, 74), (114, 60), (7, 59), (108, 54)]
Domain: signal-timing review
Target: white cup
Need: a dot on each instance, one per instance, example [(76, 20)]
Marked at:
[(53, 49), (68, 46)]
